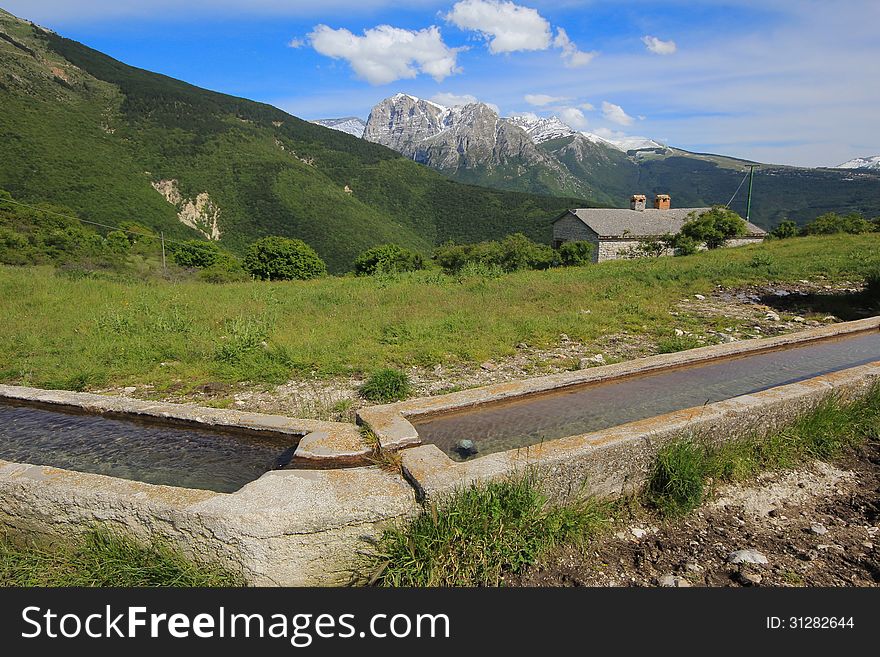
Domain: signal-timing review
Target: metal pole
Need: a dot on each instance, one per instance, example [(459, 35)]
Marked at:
[(749, 204), (164, 268)]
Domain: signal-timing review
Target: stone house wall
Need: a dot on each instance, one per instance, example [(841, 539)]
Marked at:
[(571, 229)]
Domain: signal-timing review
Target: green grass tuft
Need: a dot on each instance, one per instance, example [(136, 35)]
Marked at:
[(677, 343), (481, 534), (676, 482), (103, 558), (386, 385)]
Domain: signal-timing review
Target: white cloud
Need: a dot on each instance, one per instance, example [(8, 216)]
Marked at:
[(296, 42), (573, 117), (529, 116), (453, 100), (657, 46), (572, 57), (448, 99), (385, 54), (615, 114), (587, 106), (507, 27), (539, 100)]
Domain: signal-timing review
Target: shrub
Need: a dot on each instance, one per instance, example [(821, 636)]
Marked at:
[(387, 259), (714, 227), (684, 245), (513, 253), (519, 252), (117, 241), (649, 248), (785, 230), (386, 385), (280, 258), (576, 254), (226, 269), (831, 223), (196, 253)]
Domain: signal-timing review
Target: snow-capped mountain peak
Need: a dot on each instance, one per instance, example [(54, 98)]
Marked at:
[(350, 124), (872, 162), (624, 144), (541, 129)]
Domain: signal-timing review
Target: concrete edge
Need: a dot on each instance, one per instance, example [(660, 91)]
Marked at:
[(616, 460), (337, 443), (393, 429), (288, 528)]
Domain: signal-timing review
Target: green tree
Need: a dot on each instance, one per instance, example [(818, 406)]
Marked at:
[(831, 223), (387, 258), (576, 254), (785, 230), (714, 227), (280, 258)]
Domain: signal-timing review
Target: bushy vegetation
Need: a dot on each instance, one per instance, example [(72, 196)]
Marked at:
[(282, 259), (514, 253), (385, 386), (481, 535), (576, 253), (713, 228), (387, 259), (196, 253), (785, 230), (683, 469), (831, 223), (46, 235), (102, 558)]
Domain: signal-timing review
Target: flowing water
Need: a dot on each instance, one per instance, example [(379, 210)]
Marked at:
[(499, 426), (150, 451)]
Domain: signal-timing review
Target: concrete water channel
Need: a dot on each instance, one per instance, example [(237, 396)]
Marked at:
[(294, 502)]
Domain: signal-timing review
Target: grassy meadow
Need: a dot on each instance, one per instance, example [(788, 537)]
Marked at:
[(61, 330)]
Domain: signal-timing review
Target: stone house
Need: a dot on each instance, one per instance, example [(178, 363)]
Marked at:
[(614, 232)]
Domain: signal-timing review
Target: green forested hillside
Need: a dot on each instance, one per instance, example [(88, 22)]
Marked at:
[(81, 129)]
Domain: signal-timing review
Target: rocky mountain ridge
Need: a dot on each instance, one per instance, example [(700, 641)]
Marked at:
[(473, 143)]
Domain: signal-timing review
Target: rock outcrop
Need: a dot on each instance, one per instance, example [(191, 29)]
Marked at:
[(200, 214)]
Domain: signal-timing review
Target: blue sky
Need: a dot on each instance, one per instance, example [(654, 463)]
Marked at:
[(786, 81)]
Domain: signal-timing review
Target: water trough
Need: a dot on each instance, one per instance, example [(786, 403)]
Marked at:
[(604, 424), (215, 482)]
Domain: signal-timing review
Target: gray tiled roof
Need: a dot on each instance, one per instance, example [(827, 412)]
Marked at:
[(612, 222)]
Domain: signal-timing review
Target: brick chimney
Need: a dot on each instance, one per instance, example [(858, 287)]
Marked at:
[(637, 202), (662, 202)]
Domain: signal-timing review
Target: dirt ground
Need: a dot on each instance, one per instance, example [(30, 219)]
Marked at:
[(815, 526)]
